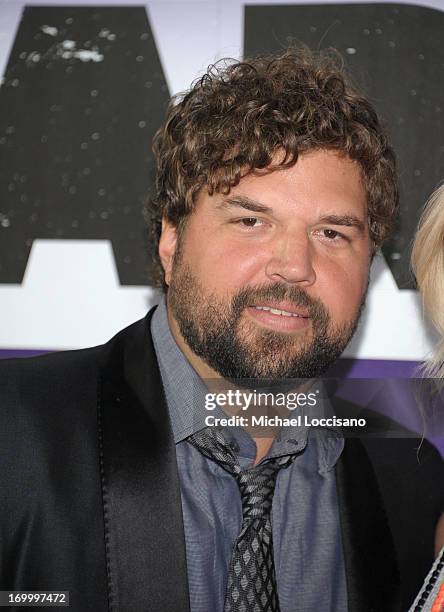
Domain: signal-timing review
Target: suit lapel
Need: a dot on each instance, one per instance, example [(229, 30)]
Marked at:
[(144, 535), (370, 560)]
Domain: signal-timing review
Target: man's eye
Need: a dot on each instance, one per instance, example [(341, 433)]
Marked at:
[(250, 222), (333, 235)]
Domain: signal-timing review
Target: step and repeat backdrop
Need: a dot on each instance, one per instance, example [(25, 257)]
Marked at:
[(84, 88)]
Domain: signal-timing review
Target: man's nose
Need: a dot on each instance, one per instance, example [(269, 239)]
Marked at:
[(292, 261)]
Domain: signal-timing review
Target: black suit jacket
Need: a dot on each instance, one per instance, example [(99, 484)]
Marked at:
[(90, 498)]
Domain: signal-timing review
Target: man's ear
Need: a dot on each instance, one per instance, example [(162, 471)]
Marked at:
[(167, 247)]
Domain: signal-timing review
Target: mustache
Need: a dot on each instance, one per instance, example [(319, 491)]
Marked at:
[(278, 291)]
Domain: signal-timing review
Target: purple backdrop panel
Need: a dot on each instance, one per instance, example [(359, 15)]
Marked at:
[(12, 353), (374, 368)]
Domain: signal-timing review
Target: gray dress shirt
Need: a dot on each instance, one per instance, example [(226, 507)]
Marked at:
[(307, 541)]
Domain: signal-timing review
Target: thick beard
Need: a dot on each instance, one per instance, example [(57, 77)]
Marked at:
[(218, 334)]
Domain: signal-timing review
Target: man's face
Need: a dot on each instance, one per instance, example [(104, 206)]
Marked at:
[(269, 281)]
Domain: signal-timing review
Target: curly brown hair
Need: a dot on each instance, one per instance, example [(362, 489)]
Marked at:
[(237, 116)]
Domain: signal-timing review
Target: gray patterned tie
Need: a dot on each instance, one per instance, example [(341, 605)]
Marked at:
[(251, 585)]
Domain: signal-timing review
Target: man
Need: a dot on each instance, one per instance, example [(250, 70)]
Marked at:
[(275, 188)]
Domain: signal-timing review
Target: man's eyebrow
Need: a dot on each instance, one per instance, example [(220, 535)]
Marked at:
[(244, 202), (347, 220)]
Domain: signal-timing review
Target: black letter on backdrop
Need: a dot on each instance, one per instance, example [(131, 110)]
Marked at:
[(83, 94), (393, 53)]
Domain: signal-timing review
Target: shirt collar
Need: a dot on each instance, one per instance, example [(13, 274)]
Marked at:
[(184, 389)]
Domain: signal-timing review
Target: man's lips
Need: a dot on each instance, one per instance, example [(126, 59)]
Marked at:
[(280, 317), (282, 309)]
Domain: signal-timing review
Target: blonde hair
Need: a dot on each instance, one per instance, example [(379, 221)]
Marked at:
[(428, 267)]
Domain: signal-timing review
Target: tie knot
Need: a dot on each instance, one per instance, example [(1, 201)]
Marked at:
[(256, 484)]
